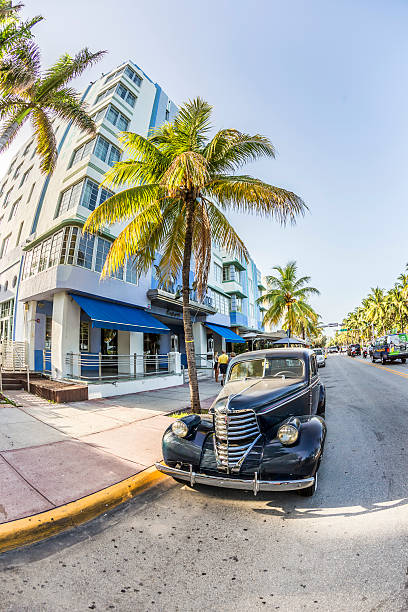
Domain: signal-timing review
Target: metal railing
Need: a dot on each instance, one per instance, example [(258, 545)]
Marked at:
[(96, 366), (46, 361), (13, 356)]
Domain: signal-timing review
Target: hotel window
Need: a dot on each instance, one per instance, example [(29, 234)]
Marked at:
[(228, 273), (70, 198), (106, 151), (31, 192), (218, 273), (20, 229), (104, 94), (55, 248), (92, 195), (13, 209), (85, 251), (167, 117), (116, 118), (35, 260), (65, 244), (131, 276), (24, 177), (133, 76), (99, 114), (110, 77), (17, 172), (5, 245), (45, 254), (236, 304), (102, 251), (126, 95), (70, 246), (84, 336), (82, 152), (7, 198), (28, 147)]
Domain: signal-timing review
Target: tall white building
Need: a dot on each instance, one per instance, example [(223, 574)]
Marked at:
[(51, 295)]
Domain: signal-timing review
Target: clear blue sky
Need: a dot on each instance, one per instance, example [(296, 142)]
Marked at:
[(325, 80)]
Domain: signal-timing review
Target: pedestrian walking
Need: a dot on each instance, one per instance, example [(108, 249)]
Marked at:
[(216, 367), (223, 361)]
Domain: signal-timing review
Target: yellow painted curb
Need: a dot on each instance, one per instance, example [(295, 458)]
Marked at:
[(45, 524)]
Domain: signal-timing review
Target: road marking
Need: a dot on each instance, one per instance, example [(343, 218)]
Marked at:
[(380, 367)]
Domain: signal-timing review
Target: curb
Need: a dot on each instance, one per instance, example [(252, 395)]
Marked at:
[(45, 524)]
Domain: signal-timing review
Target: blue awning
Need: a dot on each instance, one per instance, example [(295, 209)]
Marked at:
[(225, 332), (111, 315)]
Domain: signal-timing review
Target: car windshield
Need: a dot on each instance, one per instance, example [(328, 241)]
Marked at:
[(272, 367), (318, 351)]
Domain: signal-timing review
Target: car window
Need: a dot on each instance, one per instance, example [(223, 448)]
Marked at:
[(318, 351), (313, 365), (290, 367), (253, 368)]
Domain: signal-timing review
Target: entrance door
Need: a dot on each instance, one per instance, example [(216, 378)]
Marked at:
[(109, 350)]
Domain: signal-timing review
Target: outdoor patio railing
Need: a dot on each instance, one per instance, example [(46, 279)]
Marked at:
[(96, 366)]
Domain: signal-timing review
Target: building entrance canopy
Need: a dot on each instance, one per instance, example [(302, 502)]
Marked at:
[(110, 315), (225, 332)]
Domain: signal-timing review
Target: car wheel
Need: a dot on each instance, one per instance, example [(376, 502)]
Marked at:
[(403, 360), (383, 360), (309, 491), (372, 359)]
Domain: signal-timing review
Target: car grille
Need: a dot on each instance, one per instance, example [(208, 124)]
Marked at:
[(236, 432)]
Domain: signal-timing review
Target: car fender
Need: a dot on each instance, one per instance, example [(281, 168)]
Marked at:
[(299, 459)]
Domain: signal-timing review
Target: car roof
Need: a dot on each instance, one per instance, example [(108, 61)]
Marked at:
[(300, 353)]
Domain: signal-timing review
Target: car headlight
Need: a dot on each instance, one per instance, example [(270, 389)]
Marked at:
[(288, 434), (180, 429)]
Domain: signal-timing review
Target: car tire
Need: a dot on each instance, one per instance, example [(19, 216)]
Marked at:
[(403, 360), (309, 491), (372, 359), (383, 360)]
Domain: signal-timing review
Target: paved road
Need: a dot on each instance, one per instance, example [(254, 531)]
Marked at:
[(345, 549)]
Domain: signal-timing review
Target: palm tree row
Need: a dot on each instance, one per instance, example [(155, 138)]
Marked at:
[(379, 313), (28, 92), (286, 298)]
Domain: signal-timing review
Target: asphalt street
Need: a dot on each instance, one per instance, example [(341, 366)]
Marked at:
[(174, 548)]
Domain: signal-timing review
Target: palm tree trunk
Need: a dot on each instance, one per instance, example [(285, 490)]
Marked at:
[(188, 329)]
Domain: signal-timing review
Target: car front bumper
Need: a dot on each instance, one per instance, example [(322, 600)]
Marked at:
[(254, 485)]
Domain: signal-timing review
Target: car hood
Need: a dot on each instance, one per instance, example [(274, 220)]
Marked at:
[(259, 393)]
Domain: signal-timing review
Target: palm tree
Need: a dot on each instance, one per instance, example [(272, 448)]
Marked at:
[(29, 94), (286, 297), (177, 185), (377, 309), (14, 33)]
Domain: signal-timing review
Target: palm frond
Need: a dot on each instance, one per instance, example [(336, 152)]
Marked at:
[(45, 137), (123, 206), (66, 103), (66, 69), (250, 195)]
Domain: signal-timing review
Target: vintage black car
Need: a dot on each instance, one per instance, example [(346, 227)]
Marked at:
[(265, 430)]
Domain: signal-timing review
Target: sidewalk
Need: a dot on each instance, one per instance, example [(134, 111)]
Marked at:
[(53, 454)]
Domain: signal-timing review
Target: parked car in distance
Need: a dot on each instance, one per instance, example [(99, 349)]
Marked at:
[(265, 431), (354, 348), (333, 349), (389, 348), (320, 357)]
